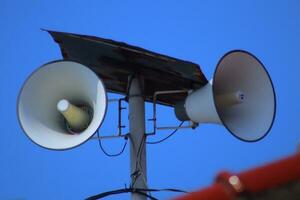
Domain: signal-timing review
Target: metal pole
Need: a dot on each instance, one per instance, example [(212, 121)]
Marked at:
[(137, 134)]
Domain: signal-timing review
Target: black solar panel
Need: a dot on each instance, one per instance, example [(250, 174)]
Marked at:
[(115, 61)]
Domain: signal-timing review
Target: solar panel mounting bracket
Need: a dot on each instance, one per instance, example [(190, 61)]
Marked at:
[(192, 124)]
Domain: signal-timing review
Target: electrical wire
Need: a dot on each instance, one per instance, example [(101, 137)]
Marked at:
[(139, 153), (120, 191), (108, 154), (139, 171), (140, 191), (138, 167), (159, 141)]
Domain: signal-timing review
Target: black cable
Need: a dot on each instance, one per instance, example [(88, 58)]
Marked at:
[(139, 153), (159, 141), (108, 154), (138, 157), (161, 190), (133, 190), (120, 191)]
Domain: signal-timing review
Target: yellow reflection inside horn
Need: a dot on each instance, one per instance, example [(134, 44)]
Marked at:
[(77, 118)]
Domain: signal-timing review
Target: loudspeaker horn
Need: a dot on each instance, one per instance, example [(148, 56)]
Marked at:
[(240, 96), (61, 105)]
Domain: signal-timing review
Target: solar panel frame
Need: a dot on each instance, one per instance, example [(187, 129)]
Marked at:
[(115, 61)]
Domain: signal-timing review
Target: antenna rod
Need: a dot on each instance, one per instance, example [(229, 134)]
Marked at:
[(137, 133)]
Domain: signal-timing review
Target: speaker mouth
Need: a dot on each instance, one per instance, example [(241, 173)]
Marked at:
[(245, 124), (71, 80)]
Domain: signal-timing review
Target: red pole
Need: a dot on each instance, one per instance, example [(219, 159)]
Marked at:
[(269, 176)]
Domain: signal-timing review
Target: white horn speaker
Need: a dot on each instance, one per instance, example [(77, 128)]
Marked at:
[(61, 105), (241, 97)]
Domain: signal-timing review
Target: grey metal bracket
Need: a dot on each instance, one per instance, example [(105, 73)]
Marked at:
[(120, 125), (154, 119)]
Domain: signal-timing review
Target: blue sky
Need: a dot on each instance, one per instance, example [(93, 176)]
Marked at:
[(198, 31)]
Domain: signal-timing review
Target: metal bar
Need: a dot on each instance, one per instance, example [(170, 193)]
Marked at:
[(120, 108), (137, 134), (108, 137), (173, 127), (112, 100), (154, 119), (120, 126)]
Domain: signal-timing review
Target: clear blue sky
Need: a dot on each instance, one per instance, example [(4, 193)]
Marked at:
[(199, 31)]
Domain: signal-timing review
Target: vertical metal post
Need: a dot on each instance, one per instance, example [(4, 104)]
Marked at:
[(137, 134)]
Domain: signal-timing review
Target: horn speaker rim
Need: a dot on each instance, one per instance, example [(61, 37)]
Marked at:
[(272, 86), (21, 90)]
